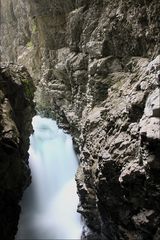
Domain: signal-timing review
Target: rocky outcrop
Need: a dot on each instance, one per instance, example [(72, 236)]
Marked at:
[(95, 64), (118, 178), (16, 110)]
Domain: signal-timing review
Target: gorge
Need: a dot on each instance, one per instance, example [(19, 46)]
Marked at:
[(49, 204), (95, 65)]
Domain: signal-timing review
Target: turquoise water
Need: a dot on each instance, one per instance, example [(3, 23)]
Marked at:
[(49, 205)]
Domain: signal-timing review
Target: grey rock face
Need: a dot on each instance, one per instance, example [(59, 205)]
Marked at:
[(151, 120), (16, 111), (95, 65)]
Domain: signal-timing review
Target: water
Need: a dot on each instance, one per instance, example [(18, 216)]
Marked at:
[(50, 203)]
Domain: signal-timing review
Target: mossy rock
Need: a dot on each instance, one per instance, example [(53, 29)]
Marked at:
[(29, 88), (29, 45)]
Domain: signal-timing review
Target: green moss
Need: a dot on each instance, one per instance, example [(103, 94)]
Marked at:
[(29, 44), (34, 28), (29, 88)]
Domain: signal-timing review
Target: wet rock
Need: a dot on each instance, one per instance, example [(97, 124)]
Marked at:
[(16, 111), (95, 64)]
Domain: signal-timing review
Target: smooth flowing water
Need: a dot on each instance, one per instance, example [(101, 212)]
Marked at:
[(50, 203)]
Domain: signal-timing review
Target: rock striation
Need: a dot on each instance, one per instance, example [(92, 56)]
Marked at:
[(16, 111), (118, 178), (96, 65)]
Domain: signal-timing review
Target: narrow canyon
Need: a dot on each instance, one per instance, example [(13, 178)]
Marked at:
[(93, 68)]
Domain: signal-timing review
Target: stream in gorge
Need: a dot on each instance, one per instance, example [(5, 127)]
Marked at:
[(49, 205)]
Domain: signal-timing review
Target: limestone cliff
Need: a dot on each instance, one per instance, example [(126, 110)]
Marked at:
[(95, 63), (16, 110)]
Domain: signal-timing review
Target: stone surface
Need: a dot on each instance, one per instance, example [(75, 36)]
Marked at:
[(95, 64), (16, 111)]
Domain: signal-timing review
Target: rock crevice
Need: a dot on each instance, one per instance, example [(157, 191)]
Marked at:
[(95, 65)]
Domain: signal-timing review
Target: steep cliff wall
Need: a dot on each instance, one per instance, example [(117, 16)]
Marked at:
[(16, 110), (95, 64)]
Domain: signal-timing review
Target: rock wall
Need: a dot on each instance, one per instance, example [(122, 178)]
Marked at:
[(16, 110), (95, 64)]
